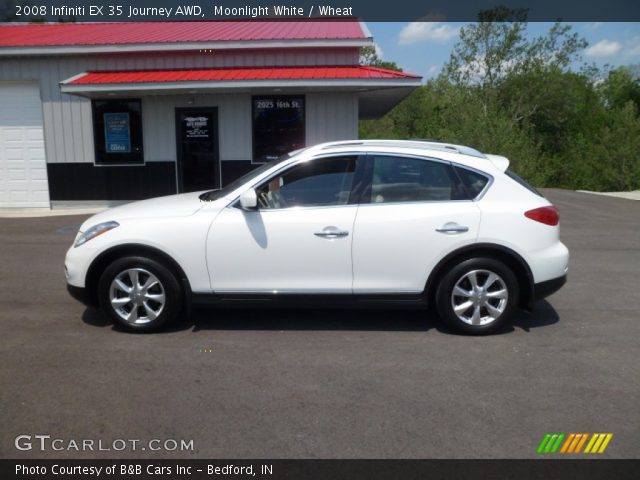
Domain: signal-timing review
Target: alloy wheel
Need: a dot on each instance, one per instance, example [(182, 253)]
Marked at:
[(479, 297), (137, 296)]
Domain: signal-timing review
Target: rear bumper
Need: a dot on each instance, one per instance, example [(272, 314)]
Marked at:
[(80, 294), (549, 287)]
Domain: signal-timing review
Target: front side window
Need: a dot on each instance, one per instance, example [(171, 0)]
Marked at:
[(405, 179), (319, 182), (278, 126), (117, 132)]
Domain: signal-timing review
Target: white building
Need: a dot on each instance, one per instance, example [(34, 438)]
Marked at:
[(95, 113)]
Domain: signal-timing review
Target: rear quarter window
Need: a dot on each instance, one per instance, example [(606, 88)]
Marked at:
[(474, 183)]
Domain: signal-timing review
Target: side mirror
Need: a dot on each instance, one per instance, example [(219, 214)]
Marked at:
[(249, 200)]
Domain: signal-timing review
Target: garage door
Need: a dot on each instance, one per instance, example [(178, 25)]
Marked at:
[(23, 168)]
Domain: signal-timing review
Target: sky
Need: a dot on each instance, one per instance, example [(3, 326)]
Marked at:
[(423, 48)]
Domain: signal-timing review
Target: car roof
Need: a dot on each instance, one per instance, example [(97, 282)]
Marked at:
[(459, 154), (411, 144)]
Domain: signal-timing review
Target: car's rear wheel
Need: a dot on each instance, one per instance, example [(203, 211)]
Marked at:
[(477, 296), (139, 294)]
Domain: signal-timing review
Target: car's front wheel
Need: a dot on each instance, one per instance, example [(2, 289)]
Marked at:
[(477, 296), (139, 294)]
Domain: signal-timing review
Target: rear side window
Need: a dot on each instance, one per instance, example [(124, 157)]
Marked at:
[(473, 182), (514, 176), (406, 179)]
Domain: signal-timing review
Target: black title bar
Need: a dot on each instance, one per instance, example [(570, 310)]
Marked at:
[(368, 10), (585, 469)]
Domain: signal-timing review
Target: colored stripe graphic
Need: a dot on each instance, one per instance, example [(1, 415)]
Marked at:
[(550, 443), (598, 442), (583, 439), (568, 442), (574, 442), (574, 445), (556, 445), (594, 437)]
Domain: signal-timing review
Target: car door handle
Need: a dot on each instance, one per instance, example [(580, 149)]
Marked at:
[(331, 232), (451, 228)]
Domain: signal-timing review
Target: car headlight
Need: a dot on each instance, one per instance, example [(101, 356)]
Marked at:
[(94, 231)]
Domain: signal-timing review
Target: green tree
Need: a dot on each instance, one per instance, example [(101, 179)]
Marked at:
[(497, 46), (622, 85), (552, 104), (608, 159), (369, 56), (486, 51), (504, 92)]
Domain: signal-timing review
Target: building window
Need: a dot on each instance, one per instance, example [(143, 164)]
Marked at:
[(278, 126), (117, 132)]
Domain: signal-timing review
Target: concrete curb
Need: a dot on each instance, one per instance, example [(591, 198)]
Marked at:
[(634, 195), (46, 212)]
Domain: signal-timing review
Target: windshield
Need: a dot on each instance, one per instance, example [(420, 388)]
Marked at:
[(216, 194)]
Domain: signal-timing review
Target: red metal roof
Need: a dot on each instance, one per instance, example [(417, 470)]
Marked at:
[(239, 74), (84, 34)]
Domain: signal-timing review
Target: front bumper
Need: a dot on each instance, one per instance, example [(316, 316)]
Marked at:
[(549, 287)]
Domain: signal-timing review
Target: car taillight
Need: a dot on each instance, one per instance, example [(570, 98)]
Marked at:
[(547, 215)]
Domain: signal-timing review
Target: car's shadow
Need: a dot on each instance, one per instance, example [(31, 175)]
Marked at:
[(542, 315), (328, 319)]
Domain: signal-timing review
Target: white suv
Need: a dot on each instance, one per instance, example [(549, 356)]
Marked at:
[(404, 223)]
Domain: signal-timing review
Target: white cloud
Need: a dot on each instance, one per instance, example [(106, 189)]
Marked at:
[(604, 48), (632, 48), (416, 32)]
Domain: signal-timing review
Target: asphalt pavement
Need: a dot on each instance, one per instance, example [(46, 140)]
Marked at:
[(330, 383)]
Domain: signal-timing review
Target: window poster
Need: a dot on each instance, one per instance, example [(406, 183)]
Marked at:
[(117, 133)]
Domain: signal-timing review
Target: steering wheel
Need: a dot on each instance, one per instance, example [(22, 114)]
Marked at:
[(262, 200), (271, 200)]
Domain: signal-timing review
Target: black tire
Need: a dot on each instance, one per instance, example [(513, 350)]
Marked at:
[(456, 274), (168, 285)]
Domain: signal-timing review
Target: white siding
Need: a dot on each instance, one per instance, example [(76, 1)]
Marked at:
[(331, 116), (234, 124)]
